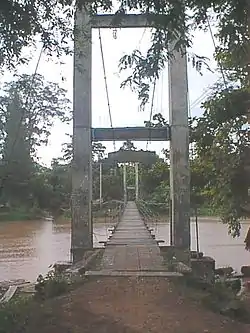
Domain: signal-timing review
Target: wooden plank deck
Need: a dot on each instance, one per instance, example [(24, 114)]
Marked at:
[(131, 249)]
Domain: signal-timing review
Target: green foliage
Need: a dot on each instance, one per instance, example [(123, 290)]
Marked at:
[(112, 187), (98, 151), (23, 21), (36, 104), (222, 299), (51, 285), (221, 145), (206, 210), (28, 109), (21, 214), (59, 180), (157, 121), (128, 145), (13, 315), (155, 181), (161, 193), (233, 34), (219, 159), (52, 21), (16, 166)]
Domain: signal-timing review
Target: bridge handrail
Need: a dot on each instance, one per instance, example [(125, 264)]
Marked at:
[(114, 212), (144, 210), (148, 214)]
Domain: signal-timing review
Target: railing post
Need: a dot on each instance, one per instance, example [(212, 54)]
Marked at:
[(136, 181), (125, 183), (100, 184)]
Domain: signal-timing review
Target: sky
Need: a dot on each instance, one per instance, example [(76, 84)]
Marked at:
[(124, 103)]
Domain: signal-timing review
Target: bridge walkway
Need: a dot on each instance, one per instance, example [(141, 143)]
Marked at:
[(131, 249)]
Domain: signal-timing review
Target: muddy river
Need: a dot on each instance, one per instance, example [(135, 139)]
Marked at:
[(28, 248)]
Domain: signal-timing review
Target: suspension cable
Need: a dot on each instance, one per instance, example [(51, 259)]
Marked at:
[(199, 99), (151, 111), (142, 36), (106, 84), (154, 86), (192, 145), (203, 95), (162, 85), (219, 62)]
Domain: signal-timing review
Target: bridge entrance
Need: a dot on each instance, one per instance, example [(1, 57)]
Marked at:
[(84, 134)]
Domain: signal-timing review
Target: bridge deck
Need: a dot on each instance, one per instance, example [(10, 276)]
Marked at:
[(131, 249)]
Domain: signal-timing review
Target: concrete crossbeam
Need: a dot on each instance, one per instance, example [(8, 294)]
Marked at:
[(131, 133), (125, 20)]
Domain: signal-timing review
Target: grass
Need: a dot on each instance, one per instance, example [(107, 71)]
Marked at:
[(13, 315), (220, 298)]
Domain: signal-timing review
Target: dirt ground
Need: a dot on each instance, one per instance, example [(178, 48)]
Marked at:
[(128, 305)]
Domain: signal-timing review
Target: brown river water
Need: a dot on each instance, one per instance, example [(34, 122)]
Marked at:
[(28, 248)]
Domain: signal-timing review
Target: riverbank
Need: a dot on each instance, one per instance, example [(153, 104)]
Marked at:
[(24, 214), (14, 216), (129, 305), (21, 214), (99, 216)]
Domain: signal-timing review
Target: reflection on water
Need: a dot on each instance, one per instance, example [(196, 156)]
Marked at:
[(27, 248)]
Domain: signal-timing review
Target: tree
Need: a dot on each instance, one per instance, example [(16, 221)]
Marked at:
[(157, 121), (221, 145), (128, 145), (40, 103), (16, 161), (41, 188), (112, 186), (60, 180), (22, 22), (98, 151), (154, 181), (28, 108), (162, 194), (182, 18), (219, 174)]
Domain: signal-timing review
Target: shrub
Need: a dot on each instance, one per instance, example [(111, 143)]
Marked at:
[(51, 285)]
